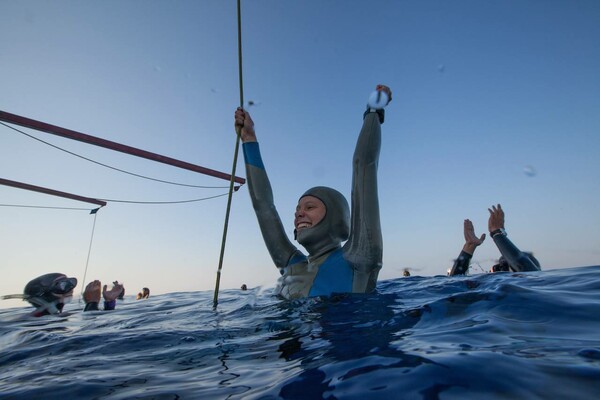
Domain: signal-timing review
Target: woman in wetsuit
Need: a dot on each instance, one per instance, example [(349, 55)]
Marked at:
[(323, 220)]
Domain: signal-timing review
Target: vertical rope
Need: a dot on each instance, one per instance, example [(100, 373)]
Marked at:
[(88, 256), (235, 157)]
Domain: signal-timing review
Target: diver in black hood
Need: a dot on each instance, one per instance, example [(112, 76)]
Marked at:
[(49, 293), (323, 219)]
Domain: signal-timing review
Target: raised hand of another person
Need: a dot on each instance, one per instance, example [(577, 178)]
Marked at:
[(496, 220), (92, 292), (471, 240), (112, 294)]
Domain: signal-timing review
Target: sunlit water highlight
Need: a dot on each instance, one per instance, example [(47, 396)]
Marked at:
[(505, 336)]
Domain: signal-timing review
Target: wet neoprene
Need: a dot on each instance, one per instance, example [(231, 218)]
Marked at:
[(329, 267)]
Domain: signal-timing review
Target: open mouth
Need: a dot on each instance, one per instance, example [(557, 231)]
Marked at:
[(303, 225)]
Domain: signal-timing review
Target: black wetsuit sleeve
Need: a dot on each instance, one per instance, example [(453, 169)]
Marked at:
[(461, 264), (91, 306), (517, 260), (280, 247)]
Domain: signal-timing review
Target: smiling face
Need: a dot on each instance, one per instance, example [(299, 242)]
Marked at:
[(322, 220), (309, 212)]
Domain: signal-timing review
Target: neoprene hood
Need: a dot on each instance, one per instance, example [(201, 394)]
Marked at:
[(335, 226), (44, 289)]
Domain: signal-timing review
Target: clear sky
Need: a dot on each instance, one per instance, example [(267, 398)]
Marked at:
[(494, 102)]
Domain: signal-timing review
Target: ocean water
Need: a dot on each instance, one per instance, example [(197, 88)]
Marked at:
[(490, 336)]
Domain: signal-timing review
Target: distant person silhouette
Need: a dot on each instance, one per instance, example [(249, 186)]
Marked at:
[(144, 294)]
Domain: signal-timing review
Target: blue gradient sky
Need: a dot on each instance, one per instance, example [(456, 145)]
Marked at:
[(482, 90)]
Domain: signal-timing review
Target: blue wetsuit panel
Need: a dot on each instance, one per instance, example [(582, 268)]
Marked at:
[(335, 276), (252, 154)]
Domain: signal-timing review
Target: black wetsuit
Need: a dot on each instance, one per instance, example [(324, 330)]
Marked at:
[(516, 260)]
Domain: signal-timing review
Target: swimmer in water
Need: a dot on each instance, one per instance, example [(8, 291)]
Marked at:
[(323, 219), (49, 293), (512, 258)]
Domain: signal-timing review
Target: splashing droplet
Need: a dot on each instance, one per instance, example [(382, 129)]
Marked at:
[(529, 171)]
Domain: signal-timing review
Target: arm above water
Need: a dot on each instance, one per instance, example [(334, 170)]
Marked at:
[(461, 264), (280, 247), (518, 260), (364, 249), (91, 296), (110, 296)]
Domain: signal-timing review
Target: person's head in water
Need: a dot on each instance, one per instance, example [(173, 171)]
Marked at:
[(406, 272), (49, 293), (322, 219), (144, 294), (244, 287)]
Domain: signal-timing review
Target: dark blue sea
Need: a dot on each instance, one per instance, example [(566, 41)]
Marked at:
[(491, 336)]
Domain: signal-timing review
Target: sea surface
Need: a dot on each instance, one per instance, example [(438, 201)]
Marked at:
[(529, 335)]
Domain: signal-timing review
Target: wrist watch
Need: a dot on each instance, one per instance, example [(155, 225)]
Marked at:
[(496, 232)]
